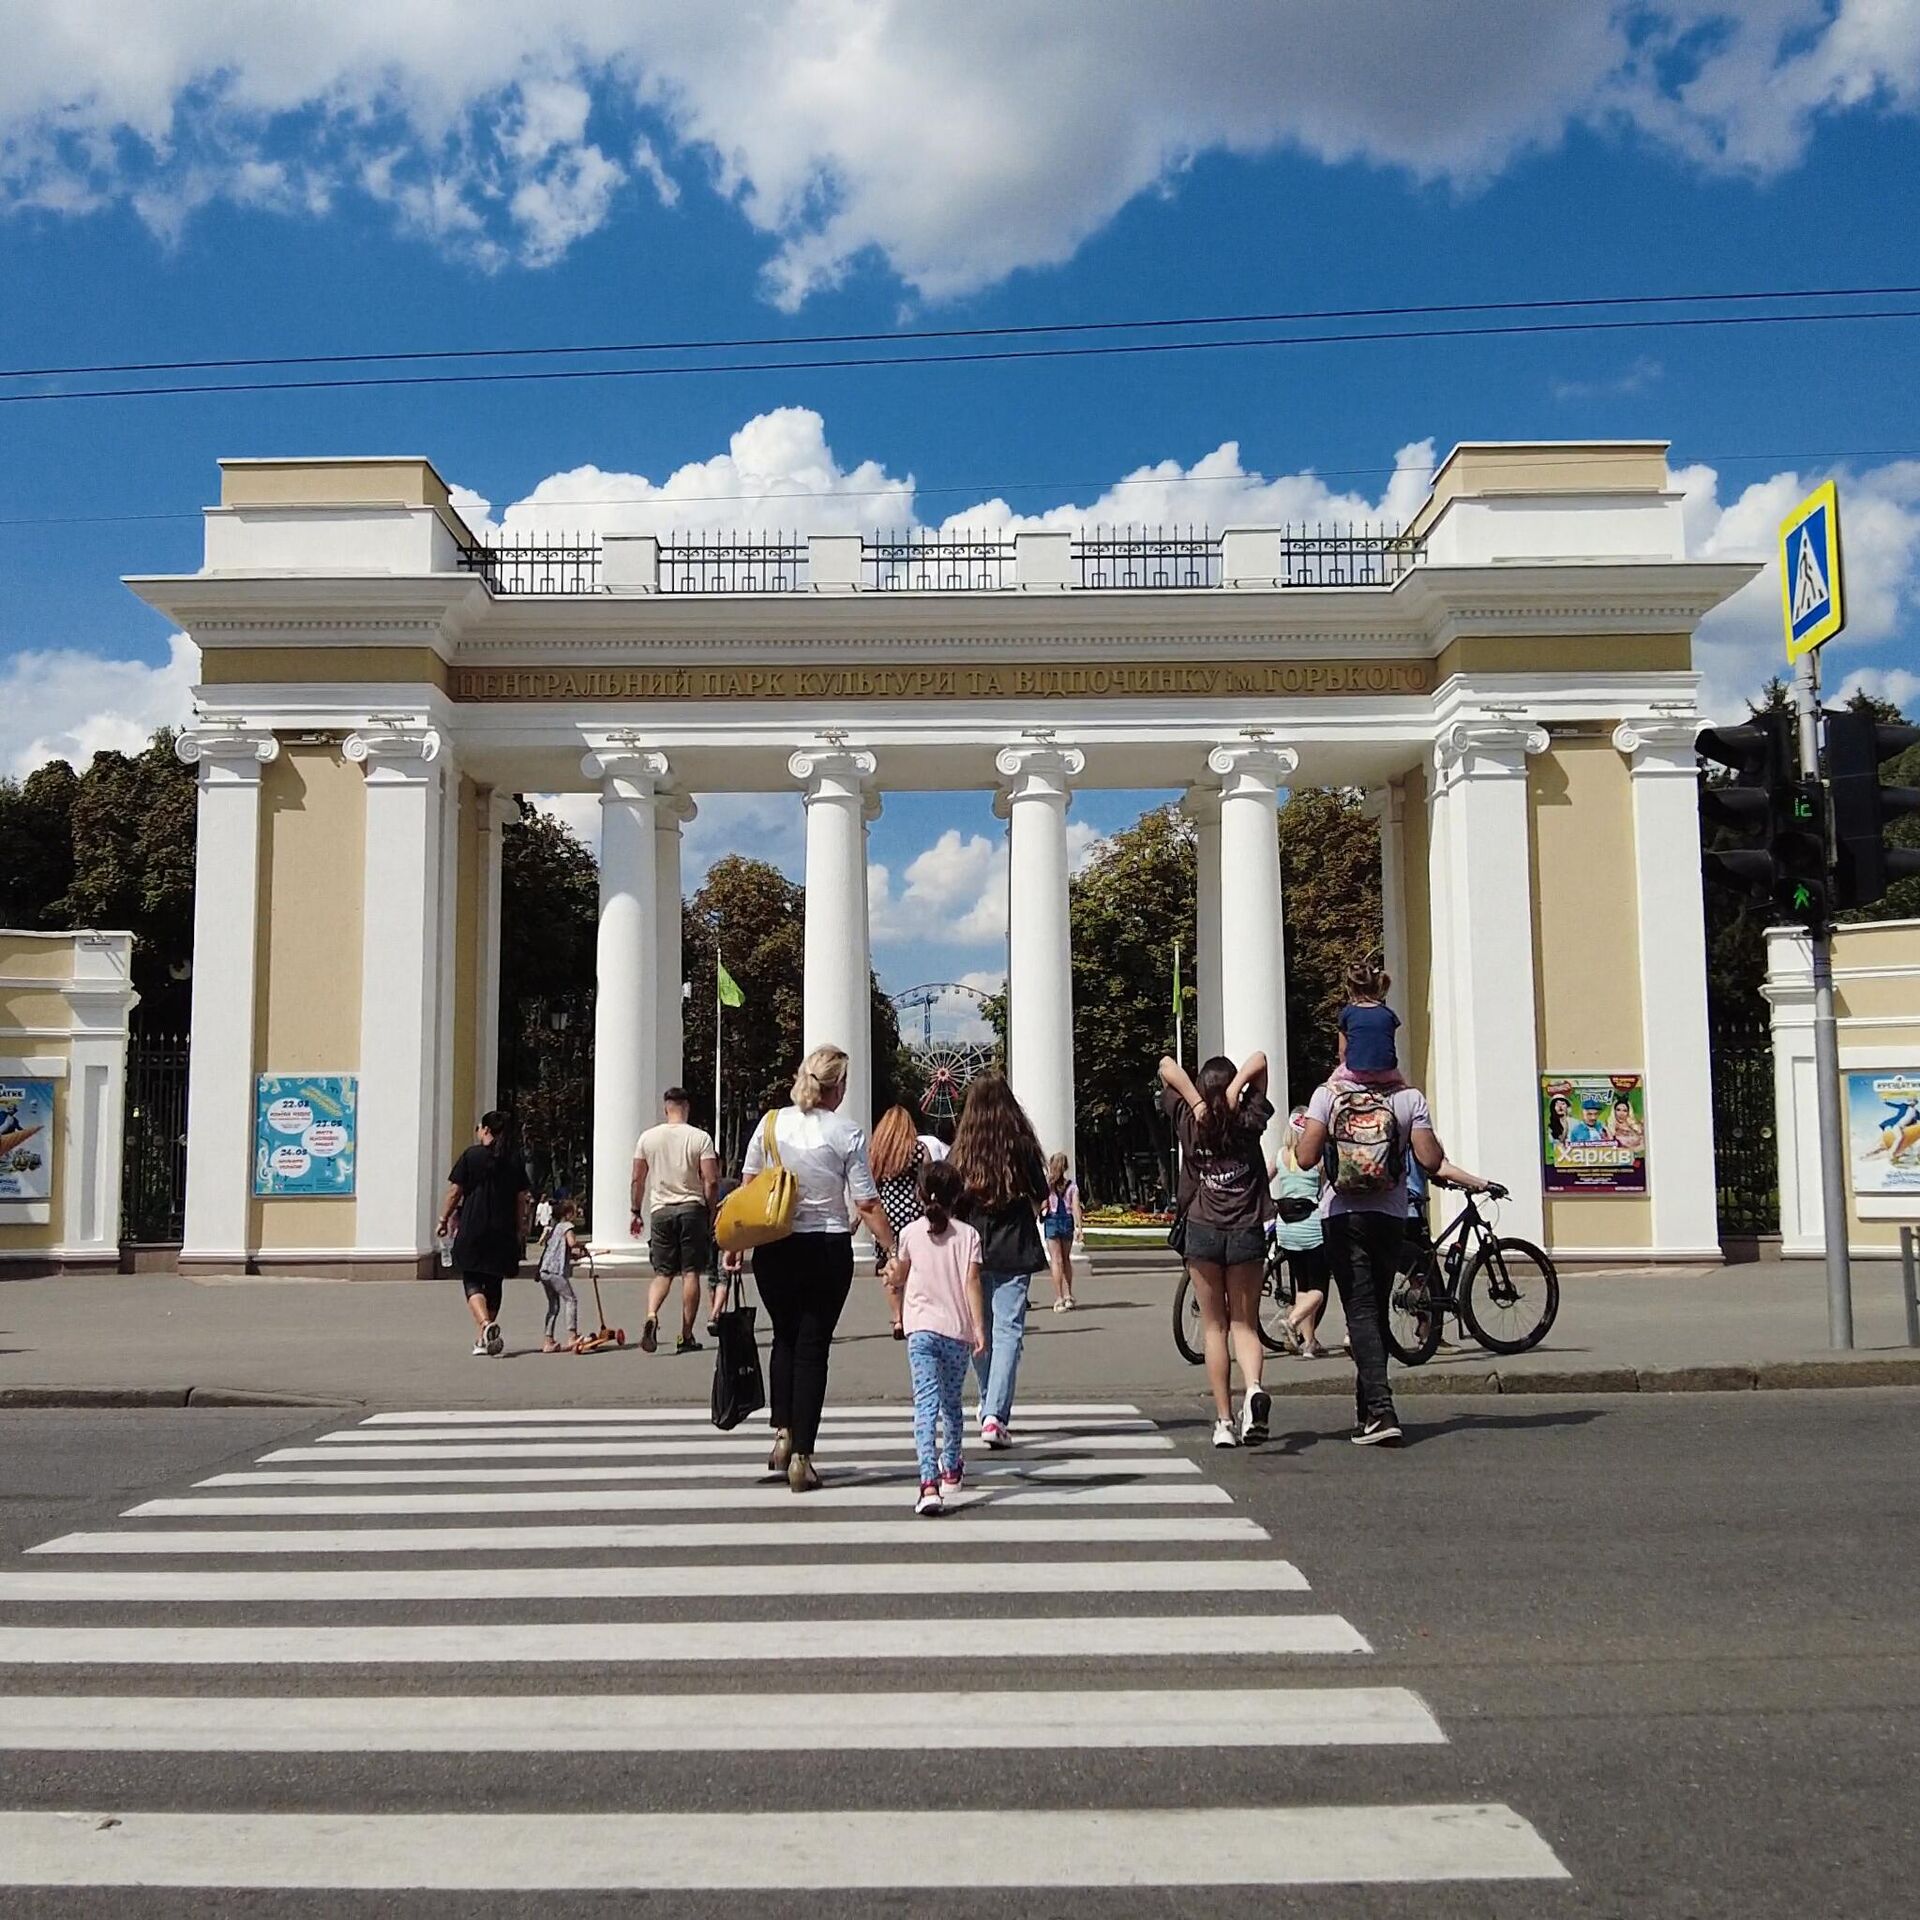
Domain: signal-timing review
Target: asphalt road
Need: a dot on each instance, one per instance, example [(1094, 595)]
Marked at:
[(1676, 1636)]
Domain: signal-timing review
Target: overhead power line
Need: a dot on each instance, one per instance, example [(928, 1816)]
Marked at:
[(1432, 310), (1100, 350)]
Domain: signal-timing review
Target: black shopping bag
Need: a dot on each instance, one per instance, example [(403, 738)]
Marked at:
[(738, 1388)]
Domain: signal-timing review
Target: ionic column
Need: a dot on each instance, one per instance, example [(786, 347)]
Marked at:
[(1253, 956), (626, 997), (1681, 1180), (226, 897), (1039, 955), (399, 1160), (1202, 806), (497, 811), (671, 813), (834, 1000), (1386, 807), (860, 1095), (1488, 1110)]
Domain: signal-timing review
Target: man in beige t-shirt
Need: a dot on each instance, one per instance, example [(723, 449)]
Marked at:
[(675, 1171)]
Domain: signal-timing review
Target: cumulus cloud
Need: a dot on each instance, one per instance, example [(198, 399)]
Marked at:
[(1895, 684), (955, 891), (62, 703), (957, 143)]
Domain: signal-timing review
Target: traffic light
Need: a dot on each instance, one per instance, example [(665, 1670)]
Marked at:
[(1779, 813), (1802, 888), (1864, 865)]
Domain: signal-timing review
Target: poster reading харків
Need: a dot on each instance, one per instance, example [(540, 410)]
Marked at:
[(26, 1140), (1593, 1133)]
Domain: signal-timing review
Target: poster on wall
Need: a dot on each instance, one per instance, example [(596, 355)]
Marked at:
[(304, 1135), (1593, 1132), (26, 1140), (1883, 1131)]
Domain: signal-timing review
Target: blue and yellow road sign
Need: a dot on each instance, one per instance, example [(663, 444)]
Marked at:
[(1810, 587)]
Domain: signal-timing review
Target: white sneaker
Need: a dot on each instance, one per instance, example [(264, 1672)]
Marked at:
[(492, 1340), (480, 1350), (994, 1435), (1254, 1412), (1224, 1435)]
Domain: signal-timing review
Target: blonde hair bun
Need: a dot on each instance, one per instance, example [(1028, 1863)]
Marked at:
[(820, 1072)]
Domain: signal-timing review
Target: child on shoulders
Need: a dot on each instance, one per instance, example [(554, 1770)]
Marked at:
[(1369, 1053)]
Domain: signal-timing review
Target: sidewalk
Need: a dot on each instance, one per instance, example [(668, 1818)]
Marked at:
[(158, 1339)]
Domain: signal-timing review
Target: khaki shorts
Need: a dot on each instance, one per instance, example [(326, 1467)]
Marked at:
[(680, 1240)]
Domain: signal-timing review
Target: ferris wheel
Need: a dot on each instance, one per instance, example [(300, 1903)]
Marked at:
[(952, 1045)]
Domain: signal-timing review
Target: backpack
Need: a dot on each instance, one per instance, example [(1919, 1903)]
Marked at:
[(1364, 1151), (553, 1256)]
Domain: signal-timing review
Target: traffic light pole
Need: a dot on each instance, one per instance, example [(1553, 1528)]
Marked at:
[(1826, 1048)]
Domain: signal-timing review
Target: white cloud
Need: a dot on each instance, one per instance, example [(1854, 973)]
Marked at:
[(60, 703), (955, 142), (767, 826), (580, 811), (1890, 683), (956, 890), (1640, 374)]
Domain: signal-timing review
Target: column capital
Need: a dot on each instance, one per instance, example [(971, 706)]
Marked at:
[(1043, 771), (393, 746), (1201, 804), (620, 765), (239, 752), (497, 809), (673, 809), (1493, 748), (835, 771), (1386, 804), (1660, 743), (1253, 767)]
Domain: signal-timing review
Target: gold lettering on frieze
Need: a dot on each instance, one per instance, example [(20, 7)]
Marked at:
[(1295, 679)]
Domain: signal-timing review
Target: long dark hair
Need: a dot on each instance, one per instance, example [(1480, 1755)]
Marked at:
[(1216, 1129), (940, 1191), (505, 1130), (995, 1151)]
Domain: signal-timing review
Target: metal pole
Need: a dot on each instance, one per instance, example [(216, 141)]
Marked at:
[(1910, 1286), (718, 1010), (1826, 1051), (1179, 1022)]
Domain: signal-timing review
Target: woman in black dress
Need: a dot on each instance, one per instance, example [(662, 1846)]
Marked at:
[(488, 1189)]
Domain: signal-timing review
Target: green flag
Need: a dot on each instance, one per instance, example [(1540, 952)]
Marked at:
[(726, 986)]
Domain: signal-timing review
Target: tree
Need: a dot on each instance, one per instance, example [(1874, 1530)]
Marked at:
[(36, 828), (1330, 877)]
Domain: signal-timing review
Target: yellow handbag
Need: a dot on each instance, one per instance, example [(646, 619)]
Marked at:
[(762, 1210)]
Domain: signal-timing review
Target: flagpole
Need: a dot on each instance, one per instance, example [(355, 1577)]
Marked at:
[(718, 1006), (1179, 1023)]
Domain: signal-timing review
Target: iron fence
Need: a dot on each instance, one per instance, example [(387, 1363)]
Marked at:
[(724, 563), (153, 1156), (1147, 558), (1344, 556), (935, 563), (1745, 1150), (570, 565)]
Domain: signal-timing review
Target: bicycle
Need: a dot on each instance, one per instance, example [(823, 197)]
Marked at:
[(1277, 1294), (1504, 1291)]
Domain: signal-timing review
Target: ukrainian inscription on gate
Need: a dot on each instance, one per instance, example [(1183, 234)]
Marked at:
[(1309, 678)]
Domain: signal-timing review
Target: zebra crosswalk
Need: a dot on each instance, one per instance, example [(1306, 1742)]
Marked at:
[(449, 1585)]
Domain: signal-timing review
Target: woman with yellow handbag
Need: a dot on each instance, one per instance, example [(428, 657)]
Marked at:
[(804, 1164)]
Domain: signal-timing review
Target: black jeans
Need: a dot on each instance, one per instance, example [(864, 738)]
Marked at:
[(1364, 1249), (804, 1279)]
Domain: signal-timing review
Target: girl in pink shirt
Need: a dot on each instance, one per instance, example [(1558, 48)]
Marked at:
[(936, 1269)]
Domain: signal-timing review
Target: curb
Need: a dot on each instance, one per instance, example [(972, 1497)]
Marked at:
[(1892, 1370), (81, 1397)]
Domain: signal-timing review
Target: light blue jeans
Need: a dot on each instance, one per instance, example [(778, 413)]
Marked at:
[(939, 1366), (997, 1368)]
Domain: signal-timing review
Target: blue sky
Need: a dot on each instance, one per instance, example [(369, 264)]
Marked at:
[(309, 179)]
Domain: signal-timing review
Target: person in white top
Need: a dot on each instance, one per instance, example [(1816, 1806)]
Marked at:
[(676, 1169), (805, 1278)]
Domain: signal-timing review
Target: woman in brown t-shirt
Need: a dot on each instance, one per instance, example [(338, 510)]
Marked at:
[(1219, 1121)]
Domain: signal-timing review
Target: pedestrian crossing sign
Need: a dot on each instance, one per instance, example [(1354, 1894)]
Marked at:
[(1810, 585)]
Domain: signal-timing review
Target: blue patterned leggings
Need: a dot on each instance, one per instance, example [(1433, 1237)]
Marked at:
[(939, 1364)]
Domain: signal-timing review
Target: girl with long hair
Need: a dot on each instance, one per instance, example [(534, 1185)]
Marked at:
[(804, 1279), (1059, 1227), (898, 1157), (489, 1192), (998, 1159), (1218, 1120)]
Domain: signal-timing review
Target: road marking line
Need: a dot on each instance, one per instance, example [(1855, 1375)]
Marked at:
[(834, 1432), (655, 1500), (482, 1643), (799, 1532), (710, 1445), (902, 1472), (686, 1722), (776, 1852), (906, 1579), (873, 1409)]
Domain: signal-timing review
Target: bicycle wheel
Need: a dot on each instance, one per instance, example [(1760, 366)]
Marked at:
[(1416, 1314), (1187, 1334), (1511, 1296), (1277, 1295)]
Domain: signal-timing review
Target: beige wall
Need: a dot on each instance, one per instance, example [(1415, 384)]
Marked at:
[(307, 1014), (1415, 995), (1890, 998), (1566, 653), (309, 666), (1513, 466), (1586, 952), (466, 969), (26, 953)]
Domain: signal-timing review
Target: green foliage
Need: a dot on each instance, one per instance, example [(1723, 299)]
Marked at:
[(1901, 901), (36, 829), (1330, 873)]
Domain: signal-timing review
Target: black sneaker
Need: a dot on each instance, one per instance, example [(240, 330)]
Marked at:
[(686, 1344), (1383, 1430)]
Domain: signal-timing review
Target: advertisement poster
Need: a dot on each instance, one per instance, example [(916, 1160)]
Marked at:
[(303, 1134), (1593, 1132), (1883, 1131), (26, 1140)]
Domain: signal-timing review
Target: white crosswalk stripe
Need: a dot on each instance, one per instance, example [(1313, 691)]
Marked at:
[(1097, 1554)]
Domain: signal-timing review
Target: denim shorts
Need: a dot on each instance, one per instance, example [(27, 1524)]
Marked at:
[(1225, 1246)]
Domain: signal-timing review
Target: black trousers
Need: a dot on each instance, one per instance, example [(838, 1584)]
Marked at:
[(1364, 1249), (804, 1280)]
